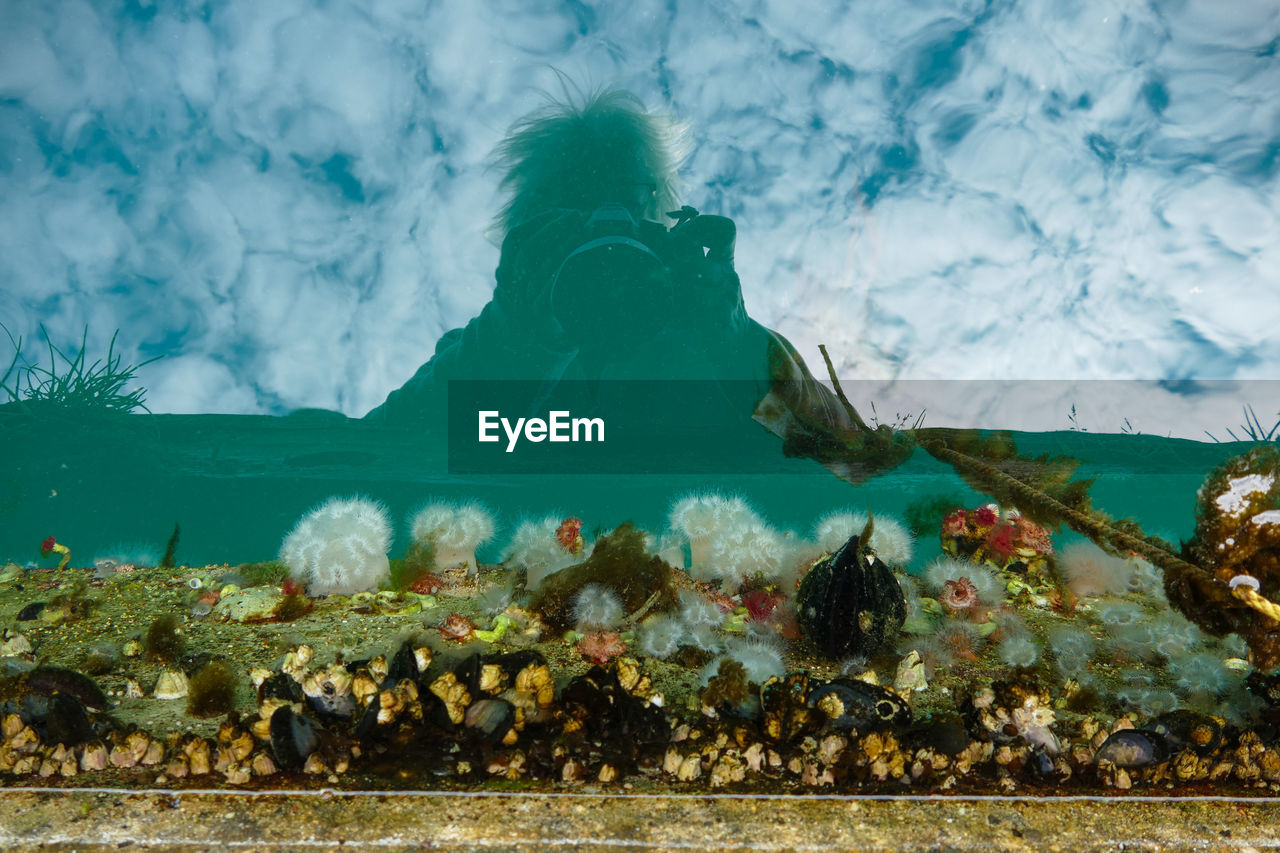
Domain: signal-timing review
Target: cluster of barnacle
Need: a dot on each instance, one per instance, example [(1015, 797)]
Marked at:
[(850, 733), (501, 716), (472, 716)]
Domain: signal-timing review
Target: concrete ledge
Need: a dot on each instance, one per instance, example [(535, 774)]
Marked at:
[(106, 819)]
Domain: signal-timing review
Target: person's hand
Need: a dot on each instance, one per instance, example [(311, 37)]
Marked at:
[(708, 284)]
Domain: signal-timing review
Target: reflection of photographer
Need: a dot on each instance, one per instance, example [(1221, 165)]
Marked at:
[(608, 282), (603, 275)]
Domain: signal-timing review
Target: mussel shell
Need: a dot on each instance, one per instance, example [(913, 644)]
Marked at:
[(467, 671), (31, 611), (1183, 729), (1040, 766), (404, 664), (293, 738), (280, 686), (851, 704), (1131, 748), (47, 680), (513, 662), (57, 718), (68, 721), (598, 699), (850, 604), (946, 735)]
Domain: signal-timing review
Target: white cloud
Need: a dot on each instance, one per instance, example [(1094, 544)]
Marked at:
[(290, 197)]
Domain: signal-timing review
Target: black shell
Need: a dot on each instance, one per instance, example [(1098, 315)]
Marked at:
[(1133, 748), (280, 686), (1183, 729), (785, 712), (851, 704), (293, 738), (47, 680), (850, 603)]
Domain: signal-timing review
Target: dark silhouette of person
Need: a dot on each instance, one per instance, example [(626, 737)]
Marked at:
[(604, 278)]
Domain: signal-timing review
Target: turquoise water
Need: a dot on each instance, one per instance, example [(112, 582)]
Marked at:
[(236, 484)]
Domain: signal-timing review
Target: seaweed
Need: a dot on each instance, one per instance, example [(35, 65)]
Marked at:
[(75, 383), (618, 561), (418, 562), (166, 562), (74, 603), (164, 640), (264, 573), (923, 516), (212, 690)]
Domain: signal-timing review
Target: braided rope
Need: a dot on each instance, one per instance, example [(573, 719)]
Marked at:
[(1081, 522), (1257, 601)]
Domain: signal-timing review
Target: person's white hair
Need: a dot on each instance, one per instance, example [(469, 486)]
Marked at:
[(573, 153)]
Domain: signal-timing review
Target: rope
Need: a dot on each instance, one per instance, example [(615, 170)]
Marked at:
[(1244, 588)]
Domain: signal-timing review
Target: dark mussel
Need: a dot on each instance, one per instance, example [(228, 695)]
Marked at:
[(849, 603), (31, 611), (293, 738), (1183, 729), (47, 680), (280, 686), (944, 734), (784, 709), (1131, 748), (57, 718), (851, 704)]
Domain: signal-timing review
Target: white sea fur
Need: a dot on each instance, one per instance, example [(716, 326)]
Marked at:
[(695, 611), (760, 658), (728, 541), (1090, 571), (1072, 646), (535, 549), (596, 608), (340, 547), (659, 636), (891, 541), (454, 531), (1200, 673), (1114, 612), (990, 587)]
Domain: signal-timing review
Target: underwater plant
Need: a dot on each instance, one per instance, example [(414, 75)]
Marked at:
[(1225, 579), (75, 384), (164, 639), (619, 563)]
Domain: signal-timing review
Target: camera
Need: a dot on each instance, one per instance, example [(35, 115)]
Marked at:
[(627, 278)]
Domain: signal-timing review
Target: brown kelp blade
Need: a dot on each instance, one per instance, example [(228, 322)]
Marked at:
[(814, 423)]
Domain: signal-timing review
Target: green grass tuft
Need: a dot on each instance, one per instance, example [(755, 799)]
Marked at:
[(71, 381)]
